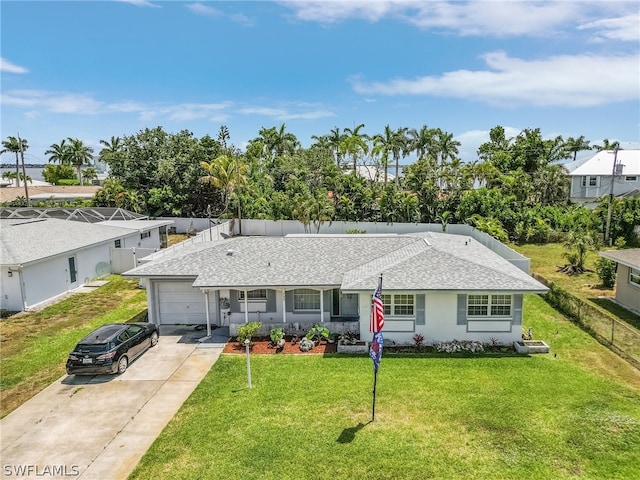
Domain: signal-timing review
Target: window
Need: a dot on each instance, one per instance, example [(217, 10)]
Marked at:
[(631, 178), (306, 299), (488, 305), (590, 181), (634, 277), (398, 305), (144, 235), (118, 243), (258, 294)]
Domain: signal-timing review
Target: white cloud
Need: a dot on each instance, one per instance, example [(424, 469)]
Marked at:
[(76, 103), (498, 18), (140, 3), (201, 9), (625, 28), (7, 66), (283, 114), (569, 81)]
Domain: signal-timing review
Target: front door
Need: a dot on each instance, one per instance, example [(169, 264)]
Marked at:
[(73, 273), (344, 304)]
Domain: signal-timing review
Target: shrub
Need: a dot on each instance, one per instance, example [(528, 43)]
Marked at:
[(456, 346), (418, 339), (306, 344), (277, 336), (248, 330), (318, 333), (606, 270)]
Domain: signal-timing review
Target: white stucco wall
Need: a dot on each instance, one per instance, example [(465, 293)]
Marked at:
[(627, 293), (50, 277), (10, 293)]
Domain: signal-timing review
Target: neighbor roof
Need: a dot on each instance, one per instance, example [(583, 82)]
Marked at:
[(629, 257), (602, 163), (29, 240), (138, 225), (429, 261)]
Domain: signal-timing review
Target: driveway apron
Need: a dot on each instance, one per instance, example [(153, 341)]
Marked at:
[(98, 427)]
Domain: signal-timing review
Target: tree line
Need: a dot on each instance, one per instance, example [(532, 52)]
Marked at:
[(515, 190)]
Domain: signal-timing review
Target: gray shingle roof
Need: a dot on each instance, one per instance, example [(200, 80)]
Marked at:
[(629, 257), (29, 240), (352, 262)]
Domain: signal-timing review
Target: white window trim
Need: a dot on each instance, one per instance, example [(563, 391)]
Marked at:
[(489, 304), (307, 291), (392, 306), (633, 273), (255, 299), (631, 178)]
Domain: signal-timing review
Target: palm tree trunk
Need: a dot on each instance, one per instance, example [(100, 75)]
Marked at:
[(18, 171)]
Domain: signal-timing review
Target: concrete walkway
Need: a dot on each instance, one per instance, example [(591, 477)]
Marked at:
[(98, 427)]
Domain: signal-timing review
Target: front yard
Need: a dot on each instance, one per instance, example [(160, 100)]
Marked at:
[(34, 346), (574, 413)]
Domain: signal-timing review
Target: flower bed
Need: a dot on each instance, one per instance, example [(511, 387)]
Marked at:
[(263, 346)]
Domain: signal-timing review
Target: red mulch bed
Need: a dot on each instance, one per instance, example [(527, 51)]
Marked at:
[(262, 346)]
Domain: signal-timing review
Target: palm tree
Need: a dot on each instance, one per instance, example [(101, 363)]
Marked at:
[(399, 146), (446, 145), (607, 145), (423, 140), (383, 146), (354, 143), (575, 145), (78, 155), (15, 145), (335, 140), (228, 174), (57, 153)]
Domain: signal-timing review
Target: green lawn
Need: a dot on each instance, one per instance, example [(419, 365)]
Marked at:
[(574, 413), (35, 345)]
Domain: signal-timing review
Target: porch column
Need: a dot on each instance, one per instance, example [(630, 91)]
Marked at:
[(284, 306), (321, 306), (206, 307), (246, 307)]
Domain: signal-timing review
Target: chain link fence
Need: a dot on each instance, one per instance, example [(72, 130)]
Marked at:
[(608, 330)]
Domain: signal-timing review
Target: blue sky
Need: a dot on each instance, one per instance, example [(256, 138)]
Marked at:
[(96, 69)]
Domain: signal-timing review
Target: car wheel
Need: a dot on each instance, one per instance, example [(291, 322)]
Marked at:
[(154, 339), (123, 363)]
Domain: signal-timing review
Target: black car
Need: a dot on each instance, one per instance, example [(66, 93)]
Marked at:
[(111, 348)]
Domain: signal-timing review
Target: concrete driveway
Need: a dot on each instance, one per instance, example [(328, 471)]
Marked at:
[(98, 427)]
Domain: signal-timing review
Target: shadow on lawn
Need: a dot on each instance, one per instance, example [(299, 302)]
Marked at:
[(349, 434)]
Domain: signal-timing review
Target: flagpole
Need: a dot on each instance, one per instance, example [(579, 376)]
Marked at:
[(373, 408)]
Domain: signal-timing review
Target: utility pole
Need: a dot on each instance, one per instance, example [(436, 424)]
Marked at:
[(24, 172), (607, 233)]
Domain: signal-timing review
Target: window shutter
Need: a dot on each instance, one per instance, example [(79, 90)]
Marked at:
[(517, 310), (233, 301), (288, 300), (420, 309), (462, 309), (271, 301)]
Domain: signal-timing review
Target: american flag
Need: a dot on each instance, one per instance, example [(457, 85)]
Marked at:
[(377, 310)]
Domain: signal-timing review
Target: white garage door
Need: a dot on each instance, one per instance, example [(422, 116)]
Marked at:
[(180, 303)]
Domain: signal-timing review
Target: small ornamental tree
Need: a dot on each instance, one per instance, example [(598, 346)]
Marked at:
[(606, 270)]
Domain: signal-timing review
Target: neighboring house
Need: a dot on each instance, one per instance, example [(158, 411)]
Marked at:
[(592, 179), (440, 285), (42, 258), (627, 276)]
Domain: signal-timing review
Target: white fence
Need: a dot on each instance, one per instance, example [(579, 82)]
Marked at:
[(280, 228)]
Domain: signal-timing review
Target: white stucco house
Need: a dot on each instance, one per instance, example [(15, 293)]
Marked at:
[(627, 276), (440, 285), (593, 178), (42, 258)]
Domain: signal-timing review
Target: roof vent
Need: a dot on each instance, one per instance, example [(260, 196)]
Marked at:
[(229, 252)]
